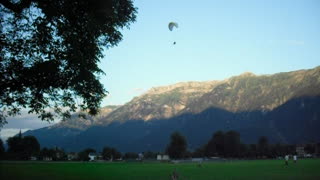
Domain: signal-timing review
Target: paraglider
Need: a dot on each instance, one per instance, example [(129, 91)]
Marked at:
[(171, 26)]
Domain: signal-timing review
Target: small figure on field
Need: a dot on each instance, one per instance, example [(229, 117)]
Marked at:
[(295, 158), (174, 175), (286, 159)]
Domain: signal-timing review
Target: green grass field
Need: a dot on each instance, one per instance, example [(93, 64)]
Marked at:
[(257, 169)]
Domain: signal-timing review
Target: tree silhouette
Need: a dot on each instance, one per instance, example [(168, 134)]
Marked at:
[(22, 148), (215, 145), (232, 144), (84, 155), (224, 144), (130, 155), (177, 147), (45, 152), (263, 146), (49, 53), (2, 151), (109, 153)]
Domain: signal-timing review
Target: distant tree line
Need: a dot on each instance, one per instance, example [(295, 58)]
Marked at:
[(228, 145), (221, 144), (24, 148), (27, 147)]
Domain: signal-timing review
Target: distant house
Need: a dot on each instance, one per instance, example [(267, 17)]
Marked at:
[(99, 157), (300, 150), (47, 158), (119, 159), (33, 158), (59, 153), (163, 157), (92, 156), (72, 156), (140, 156)]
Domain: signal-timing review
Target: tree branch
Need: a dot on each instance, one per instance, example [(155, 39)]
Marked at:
[(18, 7)]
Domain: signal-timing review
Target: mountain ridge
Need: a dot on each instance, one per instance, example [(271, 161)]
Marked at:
[(248, 103)]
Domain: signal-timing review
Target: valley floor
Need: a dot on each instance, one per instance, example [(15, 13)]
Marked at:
[(254, 169)]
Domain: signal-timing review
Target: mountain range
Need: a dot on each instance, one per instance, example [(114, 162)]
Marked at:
[(285, 107)]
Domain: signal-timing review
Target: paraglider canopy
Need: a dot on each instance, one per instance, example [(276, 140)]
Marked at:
[(172, 25)]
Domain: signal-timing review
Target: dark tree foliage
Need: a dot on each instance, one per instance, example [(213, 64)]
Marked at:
[(130, 155), (14, 145), (200, 152), (22, 148), (224, 144), (109, 153), (263, 146), (318, 149), (310, 148), (228, 145), (232, 144), (276, 150), (56, 154), (215, 145), (84, 155), (177, 147), (2, 150), (252, 151), (150, 155), (243, 150), (31, 146), (49, 53), (46, 153)]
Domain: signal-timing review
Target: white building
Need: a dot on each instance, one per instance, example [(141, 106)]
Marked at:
[(163, 157), (300, 151), (72, 156), (33, 158), (47, 158), (140, 156), (92, 156)]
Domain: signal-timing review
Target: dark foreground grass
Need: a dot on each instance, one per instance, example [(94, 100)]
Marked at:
[(257, 169)]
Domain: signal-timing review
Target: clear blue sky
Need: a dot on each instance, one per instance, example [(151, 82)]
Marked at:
[(215, 40)]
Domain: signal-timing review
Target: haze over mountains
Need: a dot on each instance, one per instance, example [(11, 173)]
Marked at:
[(285, 107)]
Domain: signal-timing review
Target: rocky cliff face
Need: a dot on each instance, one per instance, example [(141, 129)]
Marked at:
[(161, 102), (249, 92), (78, 122)]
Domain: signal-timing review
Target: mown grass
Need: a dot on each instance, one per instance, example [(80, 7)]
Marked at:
[(257, 169)]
